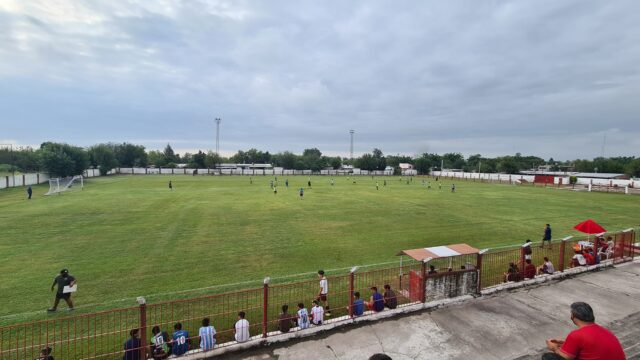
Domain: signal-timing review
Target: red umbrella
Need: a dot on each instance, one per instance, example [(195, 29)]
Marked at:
[(589, 227)]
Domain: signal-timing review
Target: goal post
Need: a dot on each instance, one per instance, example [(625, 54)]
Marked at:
[(59, 185)]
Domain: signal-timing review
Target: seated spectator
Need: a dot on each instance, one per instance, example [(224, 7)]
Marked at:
[(546, 267), (589, 341), (358, 304), (285, 321), (180, 340), (390, 297), (303, 316), (512, 274), (159, 347), (317, 313), (45, 354), (578, 260), (207, 335), (132, 346), (529, 269), (588, 256), (432, 270), (376, 302), (242, 328), (526, 248)]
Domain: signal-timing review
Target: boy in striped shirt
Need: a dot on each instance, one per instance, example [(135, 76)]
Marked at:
[(303, 316), (207, 335)]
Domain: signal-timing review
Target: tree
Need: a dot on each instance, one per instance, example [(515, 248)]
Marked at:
[(367, 162), (285, 160), (381, 162), (156, 158), (198, 160), (130, 155), (508, 165), (633, 168), (63, 160), (212, 159), (103, 157), (169, 155), (312, 159), (453, 160)]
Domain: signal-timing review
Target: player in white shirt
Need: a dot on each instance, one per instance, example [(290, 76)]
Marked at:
[(303, 317), (317, 313), (324, 291), (242, 328)]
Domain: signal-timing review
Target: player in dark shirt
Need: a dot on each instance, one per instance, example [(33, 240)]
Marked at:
[(62, 280)]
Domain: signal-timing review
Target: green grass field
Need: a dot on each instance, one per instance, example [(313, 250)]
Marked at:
[(128, 236)]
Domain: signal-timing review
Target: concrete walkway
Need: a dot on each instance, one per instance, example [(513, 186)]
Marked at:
[(506, 325)]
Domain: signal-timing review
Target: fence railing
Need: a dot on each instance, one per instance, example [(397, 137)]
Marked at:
[(102, 335)]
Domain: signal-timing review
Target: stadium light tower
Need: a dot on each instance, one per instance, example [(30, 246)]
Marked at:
[(218, 136), (351, 147)]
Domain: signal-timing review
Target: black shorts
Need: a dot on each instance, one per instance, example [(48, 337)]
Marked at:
[(63, 296), (322, 297)]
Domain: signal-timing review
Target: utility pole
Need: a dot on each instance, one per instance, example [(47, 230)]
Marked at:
[(218, 136), (351, 147)]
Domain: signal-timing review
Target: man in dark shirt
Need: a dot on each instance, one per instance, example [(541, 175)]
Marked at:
[(547, 235), (285, 321), (29, 191), (62, 280), (132, 346), (390, 298)]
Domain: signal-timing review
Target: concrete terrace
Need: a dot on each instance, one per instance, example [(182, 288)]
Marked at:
[(510, 324)]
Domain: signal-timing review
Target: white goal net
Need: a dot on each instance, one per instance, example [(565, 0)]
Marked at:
[(58, 185)]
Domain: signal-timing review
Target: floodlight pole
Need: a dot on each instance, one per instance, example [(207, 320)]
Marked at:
[(351, 132), (218, 135)]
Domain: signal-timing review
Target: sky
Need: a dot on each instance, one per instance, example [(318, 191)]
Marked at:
[(550, 78)]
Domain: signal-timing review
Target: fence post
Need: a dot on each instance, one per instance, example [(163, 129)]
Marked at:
[(522, 262), (479, 271), (143, 327), (563, 245), (351, 287), (265, 306), (423, 290)]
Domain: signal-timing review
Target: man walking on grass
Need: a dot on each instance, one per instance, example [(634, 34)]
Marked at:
[(546, 236), (62, 280)]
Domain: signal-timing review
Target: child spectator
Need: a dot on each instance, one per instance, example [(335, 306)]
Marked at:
[(529, 270), (547, 267), (303, 316), (132, 346), (180, 340), (207, 335), (159, 347), (390, 298), (317, 313), (578, 260), (589, 258), (512, 273), (432, 270), (376, 302), (242, 328), (526, 248), (45, 354), (285, 321), (358, 304), (324, 291)]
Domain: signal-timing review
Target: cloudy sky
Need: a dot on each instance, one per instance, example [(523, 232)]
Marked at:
[(546, 77)]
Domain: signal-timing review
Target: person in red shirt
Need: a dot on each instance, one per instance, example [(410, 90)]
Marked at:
[(589, 342), (529, 270), (588, 255)]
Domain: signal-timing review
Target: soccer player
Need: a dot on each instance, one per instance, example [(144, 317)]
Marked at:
[(286, 183), (309, 183), (453, 188), (546, 236), (317, 313), (324, 291), (180, 340), (303, 316), (29, 192), (242, 328), (170, 185), (377, 186), (275, 190), (62, 280), (207, 335), (301, 193)]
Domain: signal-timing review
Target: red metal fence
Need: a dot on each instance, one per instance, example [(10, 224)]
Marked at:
[(102, 335)]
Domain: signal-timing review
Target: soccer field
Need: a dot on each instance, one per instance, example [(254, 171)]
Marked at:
[(127, 236)]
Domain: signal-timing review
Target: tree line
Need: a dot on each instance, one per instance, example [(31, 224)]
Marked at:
[(66, 160)]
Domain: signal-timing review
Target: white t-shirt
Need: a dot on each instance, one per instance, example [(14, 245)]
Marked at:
[(317, 313), (324, 285), (550, 268), (303, 318), (242, 330), (581, 259)]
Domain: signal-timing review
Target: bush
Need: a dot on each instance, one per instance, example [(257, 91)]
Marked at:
[(573, 180)]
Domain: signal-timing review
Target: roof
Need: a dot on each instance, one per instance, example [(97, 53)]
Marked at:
[(436, 252), (576, 174)]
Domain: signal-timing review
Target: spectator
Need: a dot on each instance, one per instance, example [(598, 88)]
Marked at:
[(529, 270), (132, 346), (45, 354), (512, 274), (376, 302), (390, 297), (546, 267), (526, 248), (317, 313), (432, 270), (285, 321), (207, 335), (578, 260), (588, 257), (242, 328), (159, 348), (380, 356), (62, 280), (546, 236), (589, 341), (180, 340), (303, 316), (358, 304), (324, 291)]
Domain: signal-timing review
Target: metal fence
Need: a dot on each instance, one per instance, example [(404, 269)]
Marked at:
[(102, 335)]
